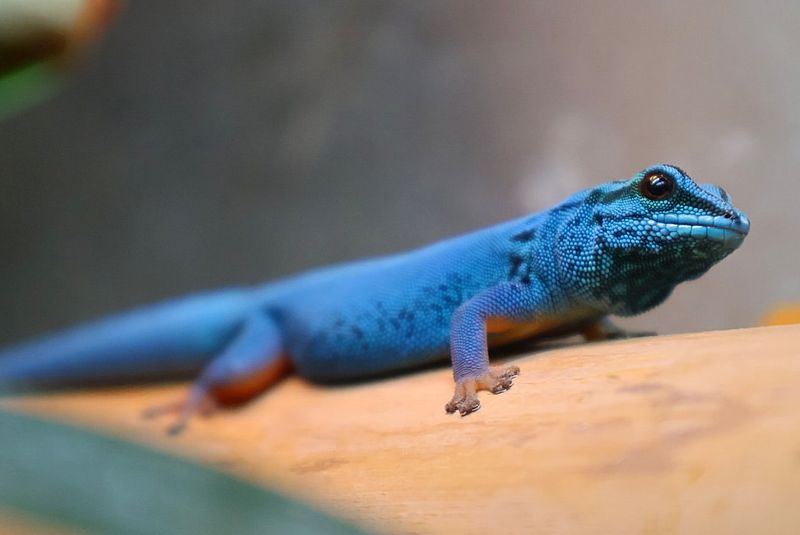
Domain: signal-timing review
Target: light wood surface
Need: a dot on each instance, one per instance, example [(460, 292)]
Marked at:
[(695, 433)]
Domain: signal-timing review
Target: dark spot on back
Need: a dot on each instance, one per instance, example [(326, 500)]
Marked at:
[(593, 197), (516, 262), (524, 236), (357, 332)]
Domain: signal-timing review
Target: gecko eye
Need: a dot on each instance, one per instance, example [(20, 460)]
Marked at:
[(657, 186)]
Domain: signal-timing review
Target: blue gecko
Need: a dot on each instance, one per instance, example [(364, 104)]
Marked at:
[(618, 248)]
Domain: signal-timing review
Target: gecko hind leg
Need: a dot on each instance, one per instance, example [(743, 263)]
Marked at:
[(252, 362), (604, 329), (205, 406), (200, 401)]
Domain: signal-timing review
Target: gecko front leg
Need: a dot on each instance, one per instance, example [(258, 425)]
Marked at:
[(468, 342)]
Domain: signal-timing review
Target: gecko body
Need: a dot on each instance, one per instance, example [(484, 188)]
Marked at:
[(619, 248)]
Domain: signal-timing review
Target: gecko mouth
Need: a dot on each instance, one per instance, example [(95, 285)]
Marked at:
[(728, 228)]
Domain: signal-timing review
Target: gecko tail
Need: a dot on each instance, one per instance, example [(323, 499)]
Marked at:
[(173, 339)]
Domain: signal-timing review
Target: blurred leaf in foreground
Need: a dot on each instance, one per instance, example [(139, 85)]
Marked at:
[(26, 87), (40, 40), (80, 479)]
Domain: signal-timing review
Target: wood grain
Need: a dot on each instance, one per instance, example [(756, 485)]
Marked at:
[(695, 433)]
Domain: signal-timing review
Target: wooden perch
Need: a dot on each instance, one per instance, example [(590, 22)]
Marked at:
[(696, 433)]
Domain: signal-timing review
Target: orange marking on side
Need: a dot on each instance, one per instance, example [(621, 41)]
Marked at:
[(245, 389), (502, 331), (500, 325)]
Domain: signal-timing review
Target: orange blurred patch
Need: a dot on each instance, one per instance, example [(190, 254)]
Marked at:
[(787, 314), (92, 23)]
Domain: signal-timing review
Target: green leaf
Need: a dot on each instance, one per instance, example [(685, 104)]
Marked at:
[(26, 87), (81, 479)]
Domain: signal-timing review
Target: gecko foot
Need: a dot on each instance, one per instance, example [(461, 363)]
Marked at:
[(496, 380), (605, 330), (198, 402)]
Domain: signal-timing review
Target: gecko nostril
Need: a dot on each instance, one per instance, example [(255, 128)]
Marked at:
[(728, 215)]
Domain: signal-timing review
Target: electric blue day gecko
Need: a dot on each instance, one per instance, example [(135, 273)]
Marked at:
[(618, 248)]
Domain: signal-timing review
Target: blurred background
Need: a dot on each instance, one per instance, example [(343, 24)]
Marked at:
[(205, 143)]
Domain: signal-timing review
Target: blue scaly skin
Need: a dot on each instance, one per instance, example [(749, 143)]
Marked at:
[(619, 248)]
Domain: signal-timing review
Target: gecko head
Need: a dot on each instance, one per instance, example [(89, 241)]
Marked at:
[(660, 228), (662, 208)]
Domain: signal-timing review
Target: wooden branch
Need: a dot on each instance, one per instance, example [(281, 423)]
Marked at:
[(696, 433)]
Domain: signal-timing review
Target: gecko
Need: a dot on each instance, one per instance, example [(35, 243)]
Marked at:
[(619, 248)]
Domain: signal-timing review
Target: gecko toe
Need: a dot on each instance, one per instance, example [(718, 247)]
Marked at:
[(465, 400), (508, 373), (463, 406), (498, 380), (501, 387), (176, 429), (469, 406), (199, 402)]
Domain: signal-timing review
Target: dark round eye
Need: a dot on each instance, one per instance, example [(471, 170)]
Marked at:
[(657, 186)]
